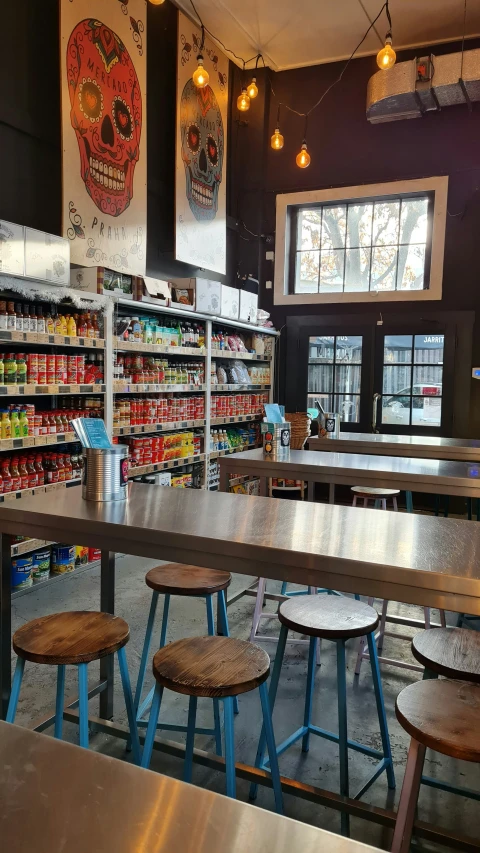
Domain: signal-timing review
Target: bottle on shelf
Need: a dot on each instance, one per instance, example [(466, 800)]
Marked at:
[(6, 426), (33, 318), (82, 326), (23, 473), (50, 321), (3, 316), (26, 317), (19, 317), (71, 326), (11, 317), (41, 327)]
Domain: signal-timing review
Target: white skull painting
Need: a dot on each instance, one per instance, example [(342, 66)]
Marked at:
[(201, 129)]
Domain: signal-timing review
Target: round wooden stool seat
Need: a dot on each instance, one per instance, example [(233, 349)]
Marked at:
[(453, 652), (70, 638), (374, 493), (331, 617), (181, 579), (442, 715), (211, 666)]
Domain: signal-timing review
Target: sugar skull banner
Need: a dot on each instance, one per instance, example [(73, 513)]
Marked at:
[(103, 70), (200, 210)]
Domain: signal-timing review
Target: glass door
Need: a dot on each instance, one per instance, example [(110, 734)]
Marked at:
[(409, 391), (333, 372)]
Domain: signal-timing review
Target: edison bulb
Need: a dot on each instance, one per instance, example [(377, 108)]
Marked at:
[(243, 101), (276, 140), (200, 76), (252, 90), (157, 2), (303, 157), (386, 56)]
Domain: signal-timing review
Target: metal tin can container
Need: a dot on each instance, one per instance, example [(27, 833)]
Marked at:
[(41, 565), (22, 573), (105, 473), (63, 559)]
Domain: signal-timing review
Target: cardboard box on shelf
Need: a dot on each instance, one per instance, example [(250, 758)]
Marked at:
[(248, 306), (47, 257), (229, 302), (152, 290), (208, 295), (103, 280), (183, 293)]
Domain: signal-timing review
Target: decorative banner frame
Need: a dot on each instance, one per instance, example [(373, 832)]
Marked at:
[(201, 153), (104, 132)]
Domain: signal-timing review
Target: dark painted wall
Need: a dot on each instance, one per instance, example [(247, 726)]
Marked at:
[(347, 150), (30, 134)]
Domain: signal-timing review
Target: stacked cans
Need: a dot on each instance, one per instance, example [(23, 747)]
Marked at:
[(53, 369), (232, 405)]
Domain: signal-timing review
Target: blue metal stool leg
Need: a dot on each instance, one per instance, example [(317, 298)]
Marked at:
[(192, 716), (127, 692), (283, 591), (59, 702), (342, 730), (382, 717), (83, 703), (152, 726), (222, 612), (211, 633), (17, 683), (277, 666), (146, 650), (163, 632), (229, 747), (307, 717), (409, 501), (272, 749)]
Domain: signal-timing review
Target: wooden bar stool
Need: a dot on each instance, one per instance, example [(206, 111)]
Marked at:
[(258, 614), (220, 667), (380, 496), (76, 638), (337, 619), (442, 715), (181, 579)]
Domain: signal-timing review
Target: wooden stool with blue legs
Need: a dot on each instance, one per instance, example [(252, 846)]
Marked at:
[(185, 580), (220, 668), (336, 619), (453, 653), (442, 715), (76, 638)]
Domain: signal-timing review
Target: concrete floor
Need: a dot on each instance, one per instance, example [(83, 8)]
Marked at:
[(319, 766)]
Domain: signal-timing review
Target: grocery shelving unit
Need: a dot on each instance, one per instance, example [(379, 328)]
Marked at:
[(112, 307)]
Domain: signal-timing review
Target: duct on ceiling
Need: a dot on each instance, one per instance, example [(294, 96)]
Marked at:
[(426, 84)]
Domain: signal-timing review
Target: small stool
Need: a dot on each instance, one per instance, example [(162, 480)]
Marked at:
[(219, 667), (337, 619), (442, 715), (181, 579), (76, 638), (380, 496), (451, 652)]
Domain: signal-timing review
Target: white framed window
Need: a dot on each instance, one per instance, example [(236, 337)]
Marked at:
[(381, 242)]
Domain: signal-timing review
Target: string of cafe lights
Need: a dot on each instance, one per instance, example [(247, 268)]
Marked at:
[(386, 58)]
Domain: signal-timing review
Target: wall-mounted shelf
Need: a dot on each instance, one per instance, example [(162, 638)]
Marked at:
[(235, 419), (239, 388), (152, 468), (147, 429), (49, 487), (49, 390), (128, 388), (158, 349), (36, 441), (54, 340), (241, 356)]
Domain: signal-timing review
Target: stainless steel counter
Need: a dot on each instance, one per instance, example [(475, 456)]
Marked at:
[(356, 469), (56, 797), (410, 446)]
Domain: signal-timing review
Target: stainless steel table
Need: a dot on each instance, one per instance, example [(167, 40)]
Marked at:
[(410, 446), (56, 797), (416, 559), (356, 469)]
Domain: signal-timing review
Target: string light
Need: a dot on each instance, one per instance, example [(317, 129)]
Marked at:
[(386, 56), (243, 101), (303, 157), (157, 2), (252, 90), (277, 140), (200, 76)]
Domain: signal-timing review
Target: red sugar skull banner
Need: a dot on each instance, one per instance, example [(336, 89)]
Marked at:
[(103, 68), (200, 195)]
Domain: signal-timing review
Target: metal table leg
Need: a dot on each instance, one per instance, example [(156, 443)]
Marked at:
[(331, 493), (5, 621), (107, 605)]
